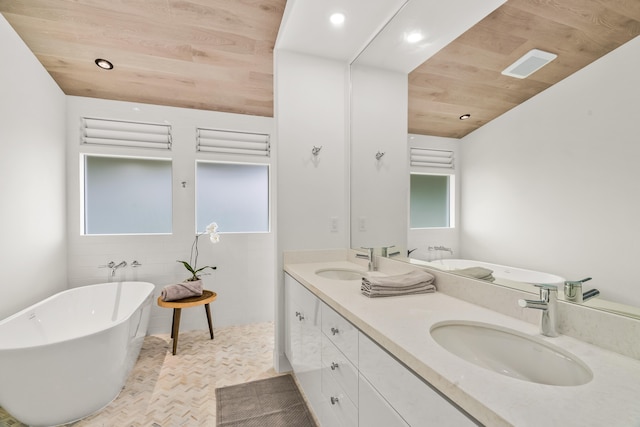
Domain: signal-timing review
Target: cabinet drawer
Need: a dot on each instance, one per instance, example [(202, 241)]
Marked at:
[(374, 410), (412, 398), (343, 409), (340, 368), (342, 333)]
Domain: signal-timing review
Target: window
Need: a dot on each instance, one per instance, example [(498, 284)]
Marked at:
[(430, 201), (124, 195), (234, 195)]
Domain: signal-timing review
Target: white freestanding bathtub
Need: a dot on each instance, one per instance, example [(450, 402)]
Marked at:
[(69, 355)]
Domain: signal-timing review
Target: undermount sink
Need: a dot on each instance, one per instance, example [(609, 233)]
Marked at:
[(511, 353), (340, 274)]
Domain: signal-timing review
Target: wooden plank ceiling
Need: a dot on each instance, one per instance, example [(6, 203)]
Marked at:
[(465, 77), (203, 54), (218, 54)]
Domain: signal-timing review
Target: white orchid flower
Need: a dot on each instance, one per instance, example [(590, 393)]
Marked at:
[(191, 266)]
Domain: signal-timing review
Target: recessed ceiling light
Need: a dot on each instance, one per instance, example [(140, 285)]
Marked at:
[(337, 19), (465, 116), (104, 64), (414, 37)]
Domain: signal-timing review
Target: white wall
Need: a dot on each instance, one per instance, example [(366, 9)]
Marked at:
[(245, 275), (379, 188), (553, 184), (310, 110), (32, 188)]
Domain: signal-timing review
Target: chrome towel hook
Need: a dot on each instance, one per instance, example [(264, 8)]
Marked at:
[(379, 154), (315, 150)]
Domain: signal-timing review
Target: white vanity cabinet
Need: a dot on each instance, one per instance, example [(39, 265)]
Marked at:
[(416, 402), (348, 379)]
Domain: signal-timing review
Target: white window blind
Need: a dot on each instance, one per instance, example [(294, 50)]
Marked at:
[(126, 134), (430, 158), (232, 142)]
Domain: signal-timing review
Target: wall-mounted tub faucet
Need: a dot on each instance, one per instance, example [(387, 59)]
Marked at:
[(113, 266), (573, 291), (548, 304)]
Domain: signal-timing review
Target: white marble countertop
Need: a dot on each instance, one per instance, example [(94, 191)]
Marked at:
[(401, 324)]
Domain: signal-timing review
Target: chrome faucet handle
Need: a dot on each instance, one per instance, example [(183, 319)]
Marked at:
[(549, 286), (547, 291)]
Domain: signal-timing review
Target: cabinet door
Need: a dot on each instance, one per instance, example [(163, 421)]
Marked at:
[(303, 344), (303, 322), (288, 320), (293, 336), (341, 410), (338, 366), (341, 332), (374, 410), (417, 403)]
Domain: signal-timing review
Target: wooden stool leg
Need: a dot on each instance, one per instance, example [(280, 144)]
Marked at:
[(175, 327), (173, 321), (208, 310)]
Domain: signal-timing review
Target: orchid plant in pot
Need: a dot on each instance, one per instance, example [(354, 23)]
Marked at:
[(192, 265)]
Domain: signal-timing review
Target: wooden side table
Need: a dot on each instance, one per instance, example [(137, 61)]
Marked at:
[(206, 298)]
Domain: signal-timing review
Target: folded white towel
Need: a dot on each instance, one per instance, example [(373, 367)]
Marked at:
[(400, 281), (476, 272), (377, 292), (415, 282), (181, 290)]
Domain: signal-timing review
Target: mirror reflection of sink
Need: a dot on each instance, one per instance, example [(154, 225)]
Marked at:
[(340, 274), (511, 353)]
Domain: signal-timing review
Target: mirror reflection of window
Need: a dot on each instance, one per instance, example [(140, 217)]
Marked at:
[(430, 201)]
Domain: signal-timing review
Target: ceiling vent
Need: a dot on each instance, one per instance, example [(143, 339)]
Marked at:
[(531, 62)]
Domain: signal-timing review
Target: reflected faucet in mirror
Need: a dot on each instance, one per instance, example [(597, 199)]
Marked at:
[(573, 291), (439, 250), (388, 251)]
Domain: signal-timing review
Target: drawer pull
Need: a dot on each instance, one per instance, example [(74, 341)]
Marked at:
[(334, 331), (334, 366), (334, 400)]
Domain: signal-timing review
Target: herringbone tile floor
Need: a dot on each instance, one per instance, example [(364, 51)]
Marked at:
[(175, 391)]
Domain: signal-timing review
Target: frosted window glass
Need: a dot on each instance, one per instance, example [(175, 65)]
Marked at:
[(127, 196), (429, 201), (235, 196)]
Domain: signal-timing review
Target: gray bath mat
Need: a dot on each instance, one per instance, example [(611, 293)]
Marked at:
[(274, 402)]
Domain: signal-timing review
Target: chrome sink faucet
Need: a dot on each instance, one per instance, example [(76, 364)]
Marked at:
[(548, 304), (373, 265)]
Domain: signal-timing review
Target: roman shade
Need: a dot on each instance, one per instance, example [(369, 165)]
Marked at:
[(232, 142), (125, 134), (430, 158)]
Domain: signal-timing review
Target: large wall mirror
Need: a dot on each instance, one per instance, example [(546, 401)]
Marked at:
[(548, 186)]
